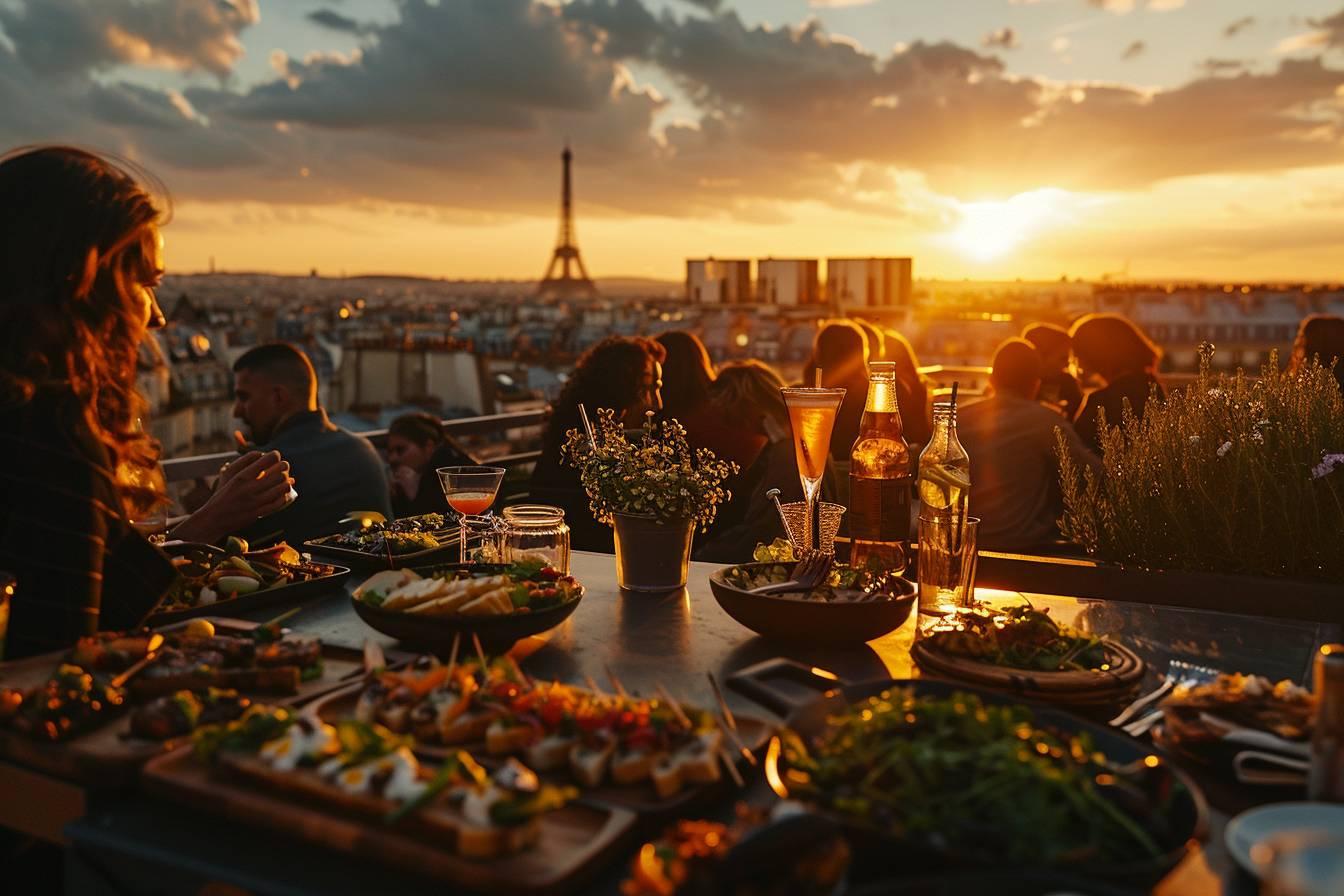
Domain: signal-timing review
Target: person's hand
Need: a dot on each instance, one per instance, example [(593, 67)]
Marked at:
[(406, 480), (250, 487)]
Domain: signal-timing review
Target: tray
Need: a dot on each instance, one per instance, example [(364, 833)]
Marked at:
[(575, 841), (446, 552), (107, 755), (291, 595), (639, 798)]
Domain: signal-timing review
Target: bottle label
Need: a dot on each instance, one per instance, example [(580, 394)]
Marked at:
[(879, 509)]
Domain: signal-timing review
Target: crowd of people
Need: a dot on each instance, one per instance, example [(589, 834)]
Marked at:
[(80, 259)]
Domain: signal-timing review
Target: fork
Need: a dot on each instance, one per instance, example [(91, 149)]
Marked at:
[(1179, 674), (810, 572)]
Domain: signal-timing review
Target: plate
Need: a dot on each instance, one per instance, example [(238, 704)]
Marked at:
[(446, 552), (1302, 823), (292, 594), (810, 622)]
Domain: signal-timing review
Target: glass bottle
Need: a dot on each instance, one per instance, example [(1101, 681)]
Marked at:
[(880, 478), (536, 532), (944, 470), (1325, 779)]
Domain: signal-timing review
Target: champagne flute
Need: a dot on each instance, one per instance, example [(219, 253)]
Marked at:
[(812, 412), (470, 491)]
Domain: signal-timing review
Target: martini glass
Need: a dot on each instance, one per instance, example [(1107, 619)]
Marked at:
[(470, 491), (812, 415)]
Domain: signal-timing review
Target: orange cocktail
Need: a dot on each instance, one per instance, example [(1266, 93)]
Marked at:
[(812, 416), (470, 491)]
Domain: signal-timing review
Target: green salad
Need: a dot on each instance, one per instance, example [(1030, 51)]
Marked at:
[(1021, 637)]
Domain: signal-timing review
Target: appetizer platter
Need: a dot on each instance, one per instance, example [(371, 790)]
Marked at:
[(101, 709), (387, 544), (939, 775), (213, 580), (650, 755), (1025, 651), (849, 607), (359, 787), (433, 607)]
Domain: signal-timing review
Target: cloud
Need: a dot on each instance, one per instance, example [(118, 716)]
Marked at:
[(1134, 50), (1333, 28), (1214, 67), (1004, 38), (1234, 28), (70, 37), (333, 20)]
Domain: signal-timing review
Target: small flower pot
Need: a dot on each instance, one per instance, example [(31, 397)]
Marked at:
[(652, 556)]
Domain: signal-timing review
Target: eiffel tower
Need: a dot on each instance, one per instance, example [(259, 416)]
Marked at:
[(559, 280)]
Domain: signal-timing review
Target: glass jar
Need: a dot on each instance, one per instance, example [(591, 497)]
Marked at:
[(536, 532)]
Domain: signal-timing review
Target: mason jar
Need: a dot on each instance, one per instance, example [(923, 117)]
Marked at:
[(536, 532)]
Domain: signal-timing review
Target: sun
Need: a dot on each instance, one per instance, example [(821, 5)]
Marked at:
[(989, 230)]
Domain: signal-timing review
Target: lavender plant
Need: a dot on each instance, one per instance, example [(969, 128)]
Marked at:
[(657, 474), (1228, 475)]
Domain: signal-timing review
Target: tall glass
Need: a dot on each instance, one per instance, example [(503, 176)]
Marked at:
[(470, 491), (812, 415), (948, 557)]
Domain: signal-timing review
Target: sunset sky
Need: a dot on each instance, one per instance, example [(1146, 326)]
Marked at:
[(987, 138)]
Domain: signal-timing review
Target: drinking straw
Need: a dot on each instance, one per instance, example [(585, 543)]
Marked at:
[(816, 378), (588, 426)]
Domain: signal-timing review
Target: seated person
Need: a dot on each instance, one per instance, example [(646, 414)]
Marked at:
[(80, 261), (688, 376), (1059, 387), (1014, 469), (623, 373), (1113, 351), (748, 391), (416, 447), (335, 472)]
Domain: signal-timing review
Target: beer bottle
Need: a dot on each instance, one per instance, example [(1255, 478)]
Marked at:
[(880, 480)]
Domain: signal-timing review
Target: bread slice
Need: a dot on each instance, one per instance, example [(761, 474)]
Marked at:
[(589, 765), (502, 740), (477, 842), (633, 766), (386, 582), (666, 776), (549, 753)]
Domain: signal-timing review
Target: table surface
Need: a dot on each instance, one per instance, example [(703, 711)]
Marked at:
[(674, 640)]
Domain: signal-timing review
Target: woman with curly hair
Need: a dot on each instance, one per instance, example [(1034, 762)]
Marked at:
[(80, 257), (621, 373), (1112, 350)]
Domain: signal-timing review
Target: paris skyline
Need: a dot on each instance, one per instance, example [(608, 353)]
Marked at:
[(986, 138)]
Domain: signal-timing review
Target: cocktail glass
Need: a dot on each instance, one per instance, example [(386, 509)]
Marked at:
[(812, 415), (470, 491)]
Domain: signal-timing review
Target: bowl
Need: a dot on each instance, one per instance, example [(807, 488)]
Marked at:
[(435, 634), (807, 621)]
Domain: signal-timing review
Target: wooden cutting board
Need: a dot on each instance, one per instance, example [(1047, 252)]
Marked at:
[(576, 841), (108, 756), (641, 797)]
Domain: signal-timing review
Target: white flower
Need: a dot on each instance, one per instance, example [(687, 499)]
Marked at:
[(1215, 392), (1257, 438), (1194, 440), (1224, 448), (1327, 465)]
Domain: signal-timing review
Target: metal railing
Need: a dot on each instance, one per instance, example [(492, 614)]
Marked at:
[(201, 466)]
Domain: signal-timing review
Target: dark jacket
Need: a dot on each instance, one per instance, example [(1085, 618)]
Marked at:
[(334, 473), (1060, 390), (429, 494), (1132, 386), (79, 565)]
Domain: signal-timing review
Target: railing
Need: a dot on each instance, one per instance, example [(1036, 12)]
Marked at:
[(186, 469)]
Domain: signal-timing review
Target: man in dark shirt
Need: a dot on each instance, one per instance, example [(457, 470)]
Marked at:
[(1011, 440), (335, 472)]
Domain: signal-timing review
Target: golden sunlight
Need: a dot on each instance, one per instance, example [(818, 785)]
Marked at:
[(991, 229)]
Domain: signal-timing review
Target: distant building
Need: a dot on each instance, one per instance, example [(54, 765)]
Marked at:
[(787, 282), (870, 282), (718, 281)]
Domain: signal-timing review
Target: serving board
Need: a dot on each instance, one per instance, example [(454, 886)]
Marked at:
[(446, 552), (575, 841), (639, 798), (290, 595), (108, 755)]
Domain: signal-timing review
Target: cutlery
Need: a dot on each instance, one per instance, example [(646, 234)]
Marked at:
[(810, 572), (1141, 726), (155, 642), (1179, 674), (1251, 737), (1256, 767)]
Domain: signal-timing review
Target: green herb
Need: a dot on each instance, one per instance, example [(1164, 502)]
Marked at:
[(519, 809), (373, 598), (257, 725), (313, 672), (1021, 637), (527, 569), (448, 774), (518, 596)]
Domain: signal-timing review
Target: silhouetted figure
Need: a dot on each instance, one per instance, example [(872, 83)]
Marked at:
[(80, 258), (1010, 437), (1059, 387), (912, 390), (840, 350), (748, 391), (1320, 335), (1112, 349), (688, 375), (416, 447), (877, 342), (335, 471), (621, 373)]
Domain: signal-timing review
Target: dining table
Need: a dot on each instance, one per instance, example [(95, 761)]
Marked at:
[(133, 842)]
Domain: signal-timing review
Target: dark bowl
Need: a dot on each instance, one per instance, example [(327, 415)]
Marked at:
[(435, 634), (811, 622)]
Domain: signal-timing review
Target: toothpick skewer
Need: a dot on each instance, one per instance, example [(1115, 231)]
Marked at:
[(737, 742), (592, 686), (732, 767), (480, 654), (723, 704), (616, 683), (452, 655), (673, 705)]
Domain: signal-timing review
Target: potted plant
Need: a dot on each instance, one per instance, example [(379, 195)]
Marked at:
[(653, 489), (1229, 477)]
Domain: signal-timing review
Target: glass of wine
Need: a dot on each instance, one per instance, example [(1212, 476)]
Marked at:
[(812, 415), (470, 491)]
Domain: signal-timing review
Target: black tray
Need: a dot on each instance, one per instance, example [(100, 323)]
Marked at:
[(292, 594), (446, 552)]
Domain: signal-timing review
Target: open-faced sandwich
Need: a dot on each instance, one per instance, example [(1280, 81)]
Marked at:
[(520, 588), (366, 771), (1202, 714)]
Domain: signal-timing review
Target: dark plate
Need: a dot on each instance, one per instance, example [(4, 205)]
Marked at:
[(1186, 819), (1019, 883), (446, 552), (435, 634), (292, 594), (810, 622)]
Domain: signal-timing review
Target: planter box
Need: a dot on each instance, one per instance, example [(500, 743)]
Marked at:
[(1246, 595)]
